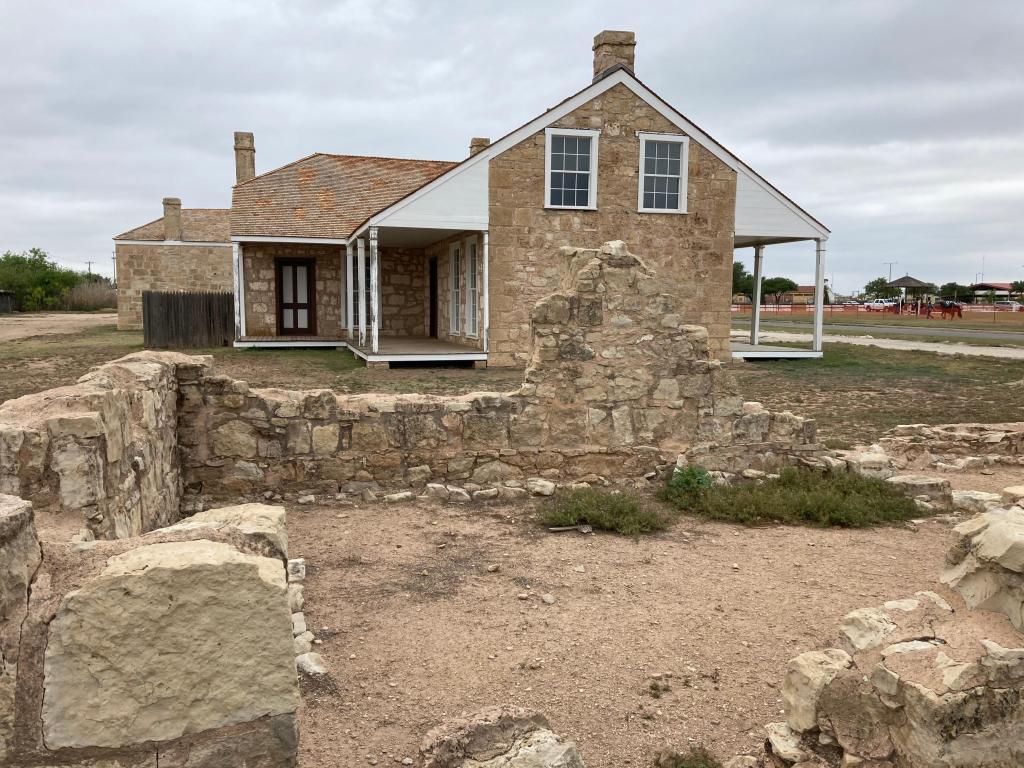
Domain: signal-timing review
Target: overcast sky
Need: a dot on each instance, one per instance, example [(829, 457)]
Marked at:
[(900, 124)]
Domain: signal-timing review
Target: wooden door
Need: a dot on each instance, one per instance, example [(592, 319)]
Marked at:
[(296, 297)]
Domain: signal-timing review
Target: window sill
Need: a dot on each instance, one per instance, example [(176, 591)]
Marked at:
[(658, 210), (570, 207)]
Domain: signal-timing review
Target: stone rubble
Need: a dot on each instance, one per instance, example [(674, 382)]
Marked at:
[(498, 737)]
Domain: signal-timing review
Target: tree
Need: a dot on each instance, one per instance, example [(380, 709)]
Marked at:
[(1017, 286), (35, 280), (776, 286), (879, 288), (955, 291), (742, 281)]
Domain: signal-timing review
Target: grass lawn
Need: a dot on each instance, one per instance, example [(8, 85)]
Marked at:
[(988, 321), (855, 393), (39, 362)]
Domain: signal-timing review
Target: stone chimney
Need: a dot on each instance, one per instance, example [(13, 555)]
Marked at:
[(245, 156), (172, 218), (611, 48), (478, 144)]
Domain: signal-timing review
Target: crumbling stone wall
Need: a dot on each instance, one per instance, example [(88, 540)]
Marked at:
[(618, 384), (105, 449), (160, 267), (1000, 443), (172, 649), (692, 253)]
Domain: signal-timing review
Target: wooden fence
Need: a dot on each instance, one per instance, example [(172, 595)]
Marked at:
[(187, 319)]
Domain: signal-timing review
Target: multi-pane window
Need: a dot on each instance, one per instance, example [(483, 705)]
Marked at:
[(571, 168), (355, 287), (455, 257), (472, 294), (663, 168)]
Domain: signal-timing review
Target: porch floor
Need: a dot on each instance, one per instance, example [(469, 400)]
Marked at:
[(745, 351), (395, 349)]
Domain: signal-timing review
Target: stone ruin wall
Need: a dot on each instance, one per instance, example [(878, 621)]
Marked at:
[(174, 649), (617, 386), (105, 449)]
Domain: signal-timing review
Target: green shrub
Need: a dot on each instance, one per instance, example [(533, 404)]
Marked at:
[(38, 282), (798, 497), (697, 757), (686, 485), (604, 510)]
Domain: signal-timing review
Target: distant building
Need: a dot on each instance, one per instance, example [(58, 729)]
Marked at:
[(804, 294), (984, 290)]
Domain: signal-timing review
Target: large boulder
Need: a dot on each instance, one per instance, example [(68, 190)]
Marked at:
[(170, 639), (260, 528), (498, 737), (20, 557), (986, 563), (806, 675)]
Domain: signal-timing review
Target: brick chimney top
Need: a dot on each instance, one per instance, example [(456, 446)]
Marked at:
[(478, 144), (611, 48), (172, 218), (245, 156)]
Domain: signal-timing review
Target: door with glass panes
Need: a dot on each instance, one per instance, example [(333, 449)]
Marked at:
[(296, 304)]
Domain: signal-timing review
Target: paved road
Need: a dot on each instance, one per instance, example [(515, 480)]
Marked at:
[(942, 348), (947, 329)]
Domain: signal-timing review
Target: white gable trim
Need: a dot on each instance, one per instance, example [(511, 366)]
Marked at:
[(172, 242), (619, 77)]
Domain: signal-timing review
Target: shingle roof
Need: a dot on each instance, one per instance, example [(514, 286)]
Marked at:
[(198, 225), (907, 282), (325, 195)]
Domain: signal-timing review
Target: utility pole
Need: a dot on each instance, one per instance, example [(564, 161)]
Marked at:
[(88, 265), (890, 263)]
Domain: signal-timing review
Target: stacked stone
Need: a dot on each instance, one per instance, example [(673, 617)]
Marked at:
[(617, 385), (914, 682), (176, 645), (953, 443), (104, 449)]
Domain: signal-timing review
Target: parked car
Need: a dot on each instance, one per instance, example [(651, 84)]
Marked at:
[(880, 305), (1008, 306)]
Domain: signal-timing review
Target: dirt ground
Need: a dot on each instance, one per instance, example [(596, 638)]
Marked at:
[(22, 326), (416, 629)]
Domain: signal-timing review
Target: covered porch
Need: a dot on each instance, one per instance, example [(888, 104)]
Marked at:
[(390, 294), (751, 348)]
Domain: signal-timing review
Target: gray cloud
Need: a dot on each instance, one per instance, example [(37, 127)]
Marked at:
[(900, 123)]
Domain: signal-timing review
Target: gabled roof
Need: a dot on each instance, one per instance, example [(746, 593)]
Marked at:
[(992, 287), (198, 225), (324, 195)]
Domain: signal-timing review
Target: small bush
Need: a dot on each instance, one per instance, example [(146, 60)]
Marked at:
[(604, 510), (686, 486), (697, 757), (798, 497)]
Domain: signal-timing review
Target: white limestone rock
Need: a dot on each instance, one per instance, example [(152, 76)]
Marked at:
[(805, 676)]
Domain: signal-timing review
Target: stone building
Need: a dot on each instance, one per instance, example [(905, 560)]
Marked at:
[(186, 249), (416, 260)]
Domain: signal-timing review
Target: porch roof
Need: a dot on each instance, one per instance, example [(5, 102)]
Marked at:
[(324, 195)]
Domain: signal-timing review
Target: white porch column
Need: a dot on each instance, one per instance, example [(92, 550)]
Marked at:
[(374, 291), (237, 276), (349, 288), (361, 283), (755, 313), (819, 293), (487, 294)]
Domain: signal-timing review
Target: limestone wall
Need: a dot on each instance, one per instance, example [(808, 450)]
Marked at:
[(403, 292), (160, 267), (105, 449), (261, 285), (442, 250), (172, 649), (691, 252), (618, 384)]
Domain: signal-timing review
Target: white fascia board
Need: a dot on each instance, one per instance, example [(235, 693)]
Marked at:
[(172, 242), (312, 240)]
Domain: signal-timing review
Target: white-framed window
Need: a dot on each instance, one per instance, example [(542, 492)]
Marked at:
[(472, 291), (664, 162), (455, 288), (570, 168)]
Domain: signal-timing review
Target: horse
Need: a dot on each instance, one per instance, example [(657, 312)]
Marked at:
[(951, 309)]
